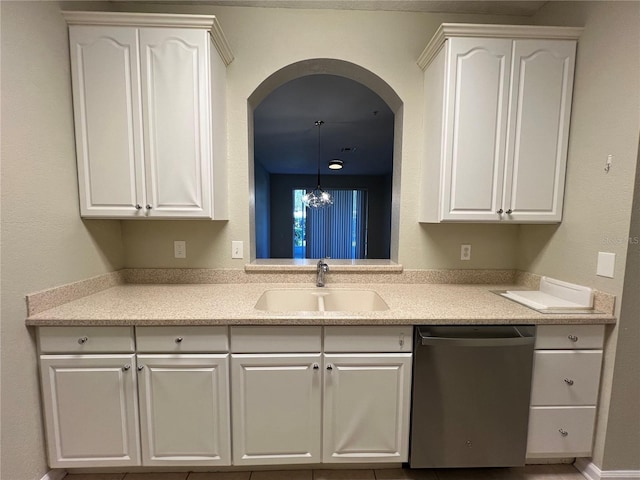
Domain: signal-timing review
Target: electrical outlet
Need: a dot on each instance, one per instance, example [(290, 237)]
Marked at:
[(465, 252), (180, 249), (237, 249)]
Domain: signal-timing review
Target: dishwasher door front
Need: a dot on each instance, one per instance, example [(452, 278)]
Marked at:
[(471, 389)]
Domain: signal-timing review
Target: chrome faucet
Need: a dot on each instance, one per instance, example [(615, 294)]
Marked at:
[(320, 271)]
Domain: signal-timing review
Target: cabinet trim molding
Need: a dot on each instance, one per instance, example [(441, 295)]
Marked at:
[(448, 30), (209, 22)]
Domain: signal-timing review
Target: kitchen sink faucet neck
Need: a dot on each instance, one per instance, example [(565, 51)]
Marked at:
[(321, 269)]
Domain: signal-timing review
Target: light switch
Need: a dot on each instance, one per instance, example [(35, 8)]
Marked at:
[(606, 264), (236, 249)]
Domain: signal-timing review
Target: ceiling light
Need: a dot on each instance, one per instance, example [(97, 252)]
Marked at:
[(318, 198), (335, 164)]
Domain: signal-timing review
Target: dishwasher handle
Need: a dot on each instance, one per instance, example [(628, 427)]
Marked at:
[(433, 339)]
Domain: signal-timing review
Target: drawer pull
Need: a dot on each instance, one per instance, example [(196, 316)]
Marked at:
[(126, 367), (140, 368), (568, 381), (83, 340), (316, 366), (329, 367), (573, 338), (179, 339), (563, 432)]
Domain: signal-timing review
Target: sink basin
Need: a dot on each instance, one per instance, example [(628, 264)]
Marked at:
[(320, 300)]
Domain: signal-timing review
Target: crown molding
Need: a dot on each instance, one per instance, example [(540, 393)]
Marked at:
[(449, 30), (207, 22)]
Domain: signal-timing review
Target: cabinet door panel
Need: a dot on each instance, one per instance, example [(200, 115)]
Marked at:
[(90, 410), (539, 126), (174, 64), (566, 377), (184, 409), (476, 112), (366, 408), (276, 408), (556, 432), (108, 129)]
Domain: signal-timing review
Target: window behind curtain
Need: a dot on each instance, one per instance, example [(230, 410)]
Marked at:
[(338, 231)]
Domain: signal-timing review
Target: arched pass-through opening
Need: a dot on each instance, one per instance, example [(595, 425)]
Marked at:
[(349, 71)]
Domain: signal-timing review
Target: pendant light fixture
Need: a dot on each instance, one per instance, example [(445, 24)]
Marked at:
[(318, 198)]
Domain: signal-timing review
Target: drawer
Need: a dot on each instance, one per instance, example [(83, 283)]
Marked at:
[(368, 339), (566, 377), (276, 339), (175, 339), (547, 424), (85, 339), (569, 336)]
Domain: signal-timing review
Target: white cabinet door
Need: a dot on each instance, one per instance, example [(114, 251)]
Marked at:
[(497, 124), (566, 377), (476, 112), (366, 407), (560, 432), (184, 409), (276, 408), (90, 410), (175, 96), (541, 90), (107, 120)]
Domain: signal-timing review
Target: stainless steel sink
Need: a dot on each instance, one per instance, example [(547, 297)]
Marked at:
[(320, 300)]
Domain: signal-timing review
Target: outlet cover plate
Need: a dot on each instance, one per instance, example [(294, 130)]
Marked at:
[(180, 249)]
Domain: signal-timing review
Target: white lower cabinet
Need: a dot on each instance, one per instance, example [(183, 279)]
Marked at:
[(293, 403), (184, 409), (366, 407), (561, 431), (564, 390), (276, 408), (90, 410)]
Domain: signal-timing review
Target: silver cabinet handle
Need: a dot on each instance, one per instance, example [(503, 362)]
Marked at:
[(179, 339), (568, 381), (500, 212), (563, 432), (316, 366), (140, 368), (573, 338), (148, 207), (83, 340), (126, 367), (509, 212), (138, 206), (329, 367)]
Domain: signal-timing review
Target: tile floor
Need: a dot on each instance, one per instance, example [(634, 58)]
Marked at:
[(530, 472)]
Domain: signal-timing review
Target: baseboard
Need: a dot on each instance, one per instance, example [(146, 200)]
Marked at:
[(55, 474), (592, 472)]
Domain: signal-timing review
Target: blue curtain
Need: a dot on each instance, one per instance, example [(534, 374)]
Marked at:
[(339, 231)]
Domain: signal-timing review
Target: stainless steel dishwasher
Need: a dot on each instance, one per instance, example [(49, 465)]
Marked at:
[(471, 388)]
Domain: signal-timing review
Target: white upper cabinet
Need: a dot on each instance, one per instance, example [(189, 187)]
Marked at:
[(149, 103), (498, 101)]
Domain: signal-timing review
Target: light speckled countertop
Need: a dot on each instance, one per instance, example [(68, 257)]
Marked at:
[(233, 304)]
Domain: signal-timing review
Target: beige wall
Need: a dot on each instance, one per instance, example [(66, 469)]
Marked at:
[(623, 427), (605, 120), (265, 40), (44, 242)]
